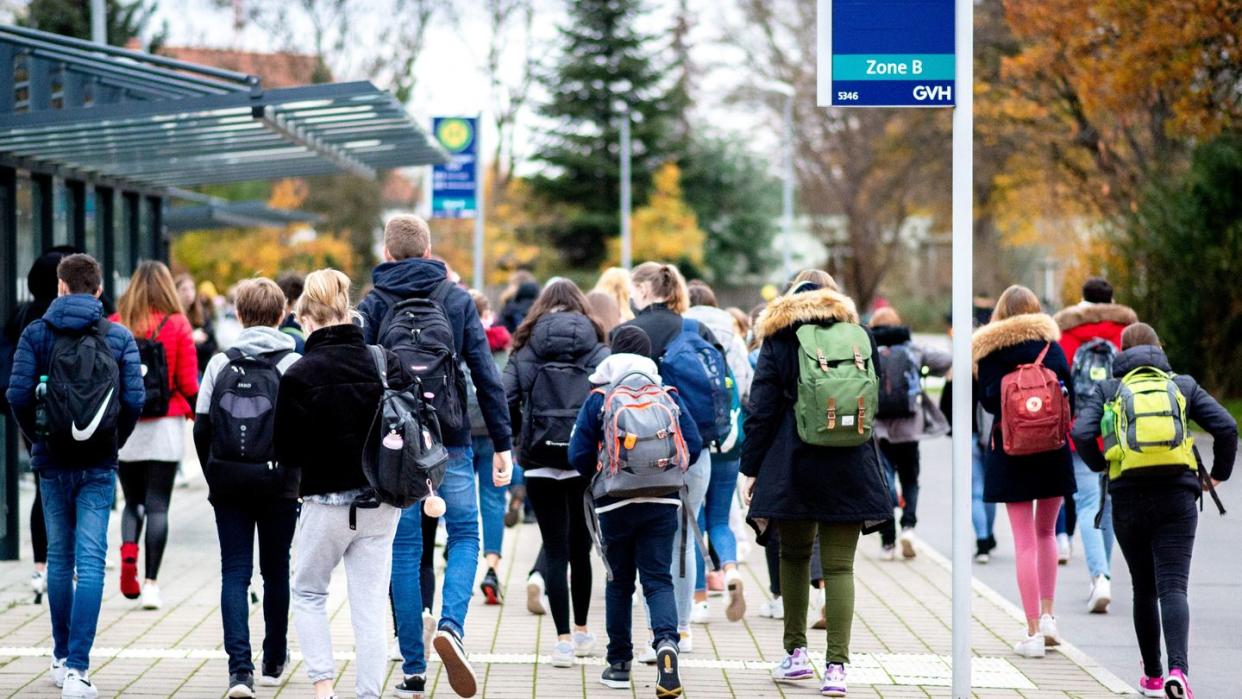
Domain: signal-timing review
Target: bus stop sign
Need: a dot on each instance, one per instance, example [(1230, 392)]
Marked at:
[(886, 53)]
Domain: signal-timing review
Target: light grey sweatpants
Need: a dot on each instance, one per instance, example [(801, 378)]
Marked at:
[(323, 539)]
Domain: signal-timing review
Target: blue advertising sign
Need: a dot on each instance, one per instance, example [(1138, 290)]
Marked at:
[(886, 53), (454, 184)]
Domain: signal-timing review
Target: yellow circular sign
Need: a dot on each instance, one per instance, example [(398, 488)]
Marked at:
[(455, 134)]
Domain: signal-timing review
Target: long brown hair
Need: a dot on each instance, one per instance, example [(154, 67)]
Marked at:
[(666, 285), (151, 290), (560, 295), (1017, 300)]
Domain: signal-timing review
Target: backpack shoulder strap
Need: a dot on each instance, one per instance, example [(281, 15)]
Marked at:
[(390, 302), (381, 363), (234, 354), (103, 327), (689, 325), (441, 292), (160, 328), (1039, 361)]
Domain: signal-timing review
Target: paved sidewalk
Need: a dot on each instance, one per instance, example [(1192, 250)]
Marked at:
[(901, 635)]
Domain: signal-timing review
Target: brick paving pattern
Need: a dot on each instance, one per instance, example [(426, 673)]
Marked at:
[(901, 635)]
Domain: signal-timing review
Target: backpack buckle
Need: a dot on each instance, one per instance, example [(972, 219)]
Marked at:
[(862, 413), (858, 359), (823, 361), (832, 413)]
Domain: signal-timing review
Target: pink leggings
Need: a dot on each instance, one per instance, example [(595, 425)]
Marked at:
[(1034, 526)]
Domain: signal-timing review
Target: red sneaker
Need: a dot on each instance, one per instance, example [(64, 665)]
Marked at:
[(129, 571)]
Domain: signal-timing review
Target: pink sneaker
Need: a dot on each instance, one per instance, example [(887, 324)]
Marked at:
[(1152, 686), (1176, 686)]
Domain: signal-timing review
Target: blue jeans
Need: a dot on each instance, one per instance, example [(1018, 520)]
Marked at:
[(638, 540), (697, 478), (1097, 544), (714, 517), (76, 505), (491, 498), (235, 525), (461, 519), (982, 514)]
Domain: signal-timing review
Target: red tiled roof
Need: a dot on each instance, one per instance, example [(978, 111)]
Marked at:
[(275, 69)]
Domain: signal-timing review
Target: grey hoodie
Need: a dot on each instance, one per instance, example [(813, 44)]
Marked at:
[(252, 341)]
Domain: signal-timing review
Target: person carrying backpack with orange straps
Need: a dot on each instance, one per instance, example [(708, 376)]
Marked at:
[(1023, 380)]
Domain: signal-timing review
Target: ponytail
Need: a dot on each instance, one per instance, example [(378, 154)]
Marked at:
[(325, 298), (665, 285)]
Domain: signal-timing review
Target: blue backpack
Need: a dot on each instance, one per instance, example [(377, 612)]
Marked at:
[(698, 371)]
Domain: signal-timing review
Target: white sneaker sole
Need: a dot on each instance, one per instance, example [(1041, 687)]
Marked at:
[(240, 691), (1099, 605), (907, 551), (617, 684), (265, 681), (534, 600), (562, 662)]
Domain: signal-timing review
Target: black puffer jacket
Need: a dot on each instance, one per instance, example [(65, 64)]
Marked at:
[(556, 337), (998, 349), (326, 409), (516, 308), (796, 481), (1200, 407)]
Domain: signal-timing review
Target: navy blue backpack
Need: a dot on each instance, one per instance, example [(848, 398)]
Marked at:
[(697, 369)]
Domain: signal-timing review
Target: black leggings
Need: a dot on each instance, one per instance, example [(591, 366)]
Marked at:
[(148, 487), (904, 458), (566, 546), (38, 527), (1156, 530)]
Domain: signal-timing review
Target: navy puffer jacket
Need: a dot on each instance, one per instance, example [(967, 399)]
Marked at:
[(73, 313)]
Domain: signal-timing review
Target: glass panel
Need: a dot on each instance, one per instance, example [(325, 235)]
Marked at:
[(144, 228), (60, 213), (26, 235), (120, 249), (94, 242)]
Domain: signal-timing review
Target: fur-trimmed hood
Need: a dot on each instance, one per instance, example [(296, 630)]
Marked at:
[(1013, 331), (1085, 313), (821, 305)]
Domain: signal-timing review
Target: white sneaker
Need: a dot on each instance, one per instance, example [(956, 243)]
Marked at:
[(907, 543), (888, 553), (78, 686), (536, 595), (38, 583), (773, 609), (816, 603), (1048, 629), (151, 596), (394, 652), (1101, 595), (647, 656), (1065, 549), (686, 643), (700, 613), (734, 587), (1031, 646), (795, 667), (563, 654), (429, 630), (57, 672), (584, 644)]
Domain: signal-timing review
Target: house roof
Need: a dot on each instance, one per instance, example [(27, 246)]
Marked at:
[(280, 69)]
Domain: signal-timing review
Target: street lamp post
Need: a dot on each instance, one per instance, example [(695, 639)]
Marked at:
[(627, 240), (99, 22)]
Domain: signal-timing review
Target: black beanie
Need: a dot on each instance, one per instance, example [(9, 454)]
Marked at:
[(630, 339)]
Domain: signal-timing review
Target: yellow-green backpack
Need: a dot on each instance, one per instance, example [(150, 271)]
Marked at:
[(1145, 424)]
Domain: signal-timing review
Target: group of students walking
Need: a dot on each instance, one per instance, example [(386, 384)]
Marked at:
[(643, 417)]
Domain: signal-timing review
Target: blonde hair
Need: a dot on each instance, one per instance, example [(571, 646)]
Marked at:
[(665, 285), (260, 302), (615, 281), (151, 290), (1017, 300), (406, 236), (818, 277), (325, 298), (885, 316)]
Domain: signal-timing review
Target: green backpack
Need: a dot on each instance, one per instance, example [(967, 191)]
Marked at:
[(837, 388), (1145, 424)]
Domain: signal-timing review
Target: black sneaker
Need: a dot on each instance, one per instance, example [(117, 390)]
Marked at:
[(616, 676), (668, 682), (517, 498), (241, 686), (412, 687), (453, 654), (273, 673), (491, 587)]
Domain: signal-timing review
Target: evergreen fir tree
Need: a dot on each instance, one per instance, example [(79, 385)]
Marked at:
[(606, 66)]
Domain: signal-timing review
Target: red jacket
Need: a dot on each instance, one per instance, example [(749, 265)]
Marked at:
[(1085, 322), (178, 340)]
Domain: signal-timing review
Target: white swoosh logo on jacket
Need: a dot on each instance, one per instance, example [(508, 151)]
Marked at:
[(83, 435)]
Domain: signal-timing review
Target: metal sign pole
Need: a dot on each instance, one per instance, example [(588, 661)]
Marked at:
[(963, 275), (479, 281), (627, 239), (99, 22)]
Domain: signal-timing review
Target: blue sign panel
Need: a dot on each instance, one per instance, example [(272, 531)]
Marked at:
[(887, 53), (454, 184)]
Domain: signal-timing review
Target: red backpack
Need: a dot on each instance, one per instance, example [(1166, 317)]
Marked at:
[(1035, 410)]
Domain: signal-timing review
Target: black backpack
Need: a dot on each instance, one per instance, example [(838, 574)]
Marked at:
[(154, 373), (1093, 363), (555, 396), (242, 458), (404, 458), (418, 330), (82, 402), (900, 389)]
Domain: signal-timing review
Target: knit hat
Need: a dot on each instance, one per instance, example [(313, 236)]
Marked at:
[(630, 339)]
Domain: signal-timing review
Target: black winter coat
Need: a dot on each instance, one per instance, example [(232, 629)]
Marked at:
[(326, 407), (1200, 407), (516, 308), (998, 349), (556, 337), (662, 326), (796, 481)]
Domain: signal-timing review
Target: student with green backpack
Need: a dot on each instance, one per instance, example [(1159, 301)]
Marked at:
[(1143, 415), (811, 462)]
